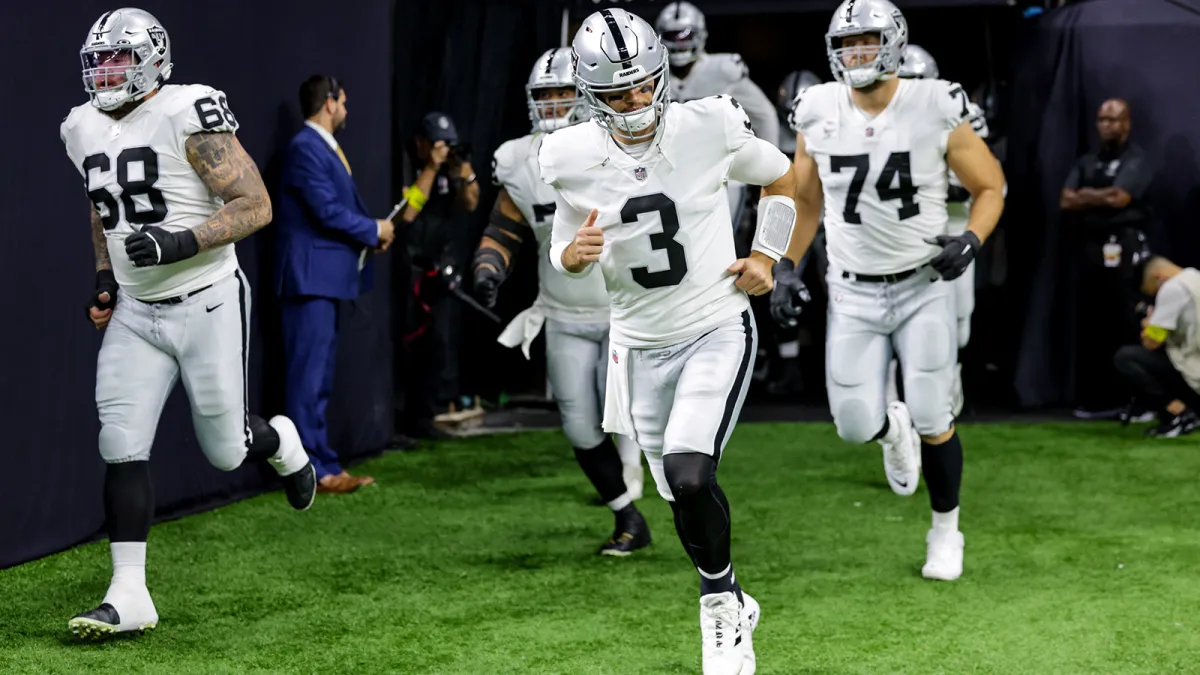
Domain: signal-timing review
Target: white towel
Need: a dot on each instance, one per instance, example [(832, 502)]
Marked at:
[(618, 416), (523, 329)]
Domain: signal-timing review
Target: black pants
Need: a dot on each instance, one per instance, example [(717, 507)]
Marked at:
[(431, 341), (1154, 378), (1104, 323)]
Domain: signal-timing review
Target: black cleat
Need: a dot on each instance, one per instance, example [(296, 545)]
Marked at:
[(301, 487), (1173, 427), (631, 534), (102, 623)]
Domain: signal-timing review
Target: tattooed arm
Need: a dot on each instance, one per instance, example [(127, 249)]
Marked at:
[(99, 242), (222, 163)]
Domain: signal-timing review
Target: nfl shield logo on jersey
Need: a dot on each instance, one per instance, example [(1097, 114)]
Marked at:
[(870, 132), (640, 174), (615, 359)]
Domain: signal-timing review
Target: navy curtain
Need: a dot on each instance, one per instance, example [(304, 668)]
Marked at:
[(1074, 58), (257, 53)]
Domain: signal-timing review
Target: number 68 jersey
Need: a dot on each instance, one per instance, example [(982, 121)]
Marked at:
[(137, 174), (884, 178), (668, 238)]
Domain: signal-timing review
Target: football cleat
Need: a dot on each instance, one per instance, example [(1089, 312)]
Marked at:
[(721, 634), (300, 485), (943, 554), (628, 536), (104, 622), (749, 620)]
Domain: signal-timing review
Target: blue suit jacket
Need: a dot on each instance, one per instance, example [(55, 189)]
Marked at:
[(321, 224)]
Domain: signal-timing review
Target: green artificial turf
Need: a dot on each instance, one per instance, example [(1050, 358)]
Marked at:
[(477, 556)]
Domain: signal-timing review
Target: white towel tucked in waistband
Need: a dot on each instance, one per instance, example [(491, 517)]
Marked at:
[(618, 416), (523, 329)]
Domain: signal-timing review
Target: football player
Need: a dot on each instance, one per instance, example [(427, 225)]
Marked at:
[(916, 63), (875, 150), (172, 190), (641, 195), (697, 74), (574, 311)]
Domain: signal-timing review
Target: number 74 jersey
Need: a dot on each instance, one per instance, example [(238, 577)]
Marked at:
[(884, 178), (136, 172)]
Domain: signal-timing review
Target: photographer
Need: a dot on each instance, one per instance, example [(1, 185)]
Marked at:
[(1166, 366), (440, 195)]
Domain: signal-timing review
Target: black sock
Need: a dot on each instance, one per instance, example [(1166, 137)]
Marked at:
[(128, 501), (942, 466), (702, 518), (266, 440), (726, 583), (602, 465)]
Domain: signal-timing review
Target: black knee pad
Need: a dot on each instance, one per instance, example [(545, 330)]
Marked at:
[(688, 473), (263, 442)]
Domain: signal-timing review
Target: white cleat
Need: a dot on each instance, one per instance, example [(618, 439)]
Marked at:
[(750, 616), (721, 634), (136, 615), (635, 477), (902, 459), (957, 398), (943, 554)]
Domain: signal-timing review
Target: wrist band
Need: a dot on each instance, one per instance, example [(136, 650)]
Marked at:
[(415, 197)]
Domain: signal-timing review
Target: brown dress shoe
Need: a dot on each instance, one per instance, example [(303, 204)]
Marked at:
[(361, 480), (337, 485)]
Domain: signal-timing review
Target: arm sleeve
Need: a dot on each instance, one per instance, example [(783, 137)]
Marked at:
[(759, 109), (1168, 305), (316, 189), (1072, 178), (759, 163), (567, 220), (1134, 177)]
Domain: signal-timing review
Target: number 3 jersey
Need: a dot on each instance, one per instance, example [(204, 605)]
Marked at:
[(668, 239), (515, 168), (136, 172), (884, 178)]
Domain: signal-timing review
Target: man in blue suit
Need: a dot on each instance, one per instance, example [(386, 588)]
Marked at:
[(325, 238)]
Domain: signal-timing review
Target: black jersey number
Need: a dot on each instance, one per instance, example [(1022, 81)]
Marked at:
[(543, 212), (130, 188), (897, 170), (213, 113), (659, 241)]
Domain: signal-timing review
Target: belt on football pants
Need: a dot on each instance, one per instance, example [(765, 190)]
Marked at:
[(178, 298), (881, 278)]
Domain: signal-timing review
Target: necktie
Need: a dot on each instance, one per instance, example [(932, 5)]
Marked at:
[(346, 162)]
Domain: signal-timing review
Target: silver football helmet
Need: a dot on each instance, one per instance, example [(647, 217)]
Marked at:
[(867, 63), (918, 64), (615, 52), (794, 84), (126, 55), (553, 70), (683, 31)]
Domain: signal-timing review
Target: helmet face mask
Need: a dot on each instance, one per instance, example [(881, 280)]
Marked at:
[(865, 60), (553, 71), (683, 30), (126, 56), (616, 54)]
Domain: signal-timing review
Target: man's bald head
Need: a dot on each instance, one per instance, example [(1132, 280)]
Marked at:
[(1157, 270), (1113, 123)]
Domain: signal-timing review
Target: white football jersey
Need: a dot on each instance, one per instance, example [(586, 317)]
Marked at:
[(727, 74), (515, 167), (959, 213), (885, 178), (668, 239), (136, 173)]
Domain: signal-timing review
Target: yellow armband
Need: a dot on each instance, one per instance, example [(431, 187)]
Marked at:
[(415, 197), (1156, 333)]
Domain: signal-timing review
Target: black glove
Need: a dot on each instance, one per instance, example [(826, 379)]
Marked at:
[(106, 283), (487, 285), (789, 295), (155, 246), (957, 253)]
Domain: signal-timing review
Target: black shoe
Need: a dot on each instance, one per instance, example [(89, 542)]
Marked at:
[(301, 487), (102, 623), (402, 442), (1173, 427), (631, 533)]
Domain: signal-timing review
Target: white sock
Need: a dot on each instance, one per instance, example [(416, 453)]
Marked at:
[(630, 452), (129, 570), (290, 457), (620, 502), (946, 521)]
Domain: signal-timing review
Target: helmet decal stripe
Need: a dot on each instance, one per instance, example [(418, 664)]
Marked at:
[(618, 39)]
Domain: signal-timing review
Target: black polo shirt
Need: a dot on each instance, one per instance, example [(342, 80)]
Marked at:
[(1127, 168)]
